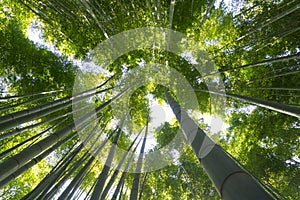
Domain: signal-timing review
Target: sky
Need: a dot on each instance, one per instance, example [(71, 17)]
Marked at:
[(231, 5)]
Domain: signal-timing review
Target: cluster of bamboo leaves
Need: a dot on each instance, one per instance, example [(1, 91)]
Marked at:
[(45, 154)]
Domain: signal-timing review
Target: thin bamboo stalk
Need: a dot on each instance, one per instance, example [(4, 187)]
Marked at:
[(116, 172), (283, 108), (10, 165), (136, 181)]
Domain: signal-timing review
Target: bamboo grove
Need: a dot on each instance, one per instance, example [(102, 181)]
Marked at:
[(76, 125)]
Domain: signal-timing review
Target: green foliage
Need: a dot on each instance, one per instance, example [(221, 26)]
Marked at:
[(265, 142), (28, 68)]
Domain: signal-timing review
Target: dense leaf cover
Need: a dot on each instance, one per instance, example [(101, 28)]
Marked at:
[(254, 46)]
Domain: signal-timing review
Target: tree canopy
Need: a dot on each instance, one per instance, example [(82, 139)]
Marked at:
[(77, 104)]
